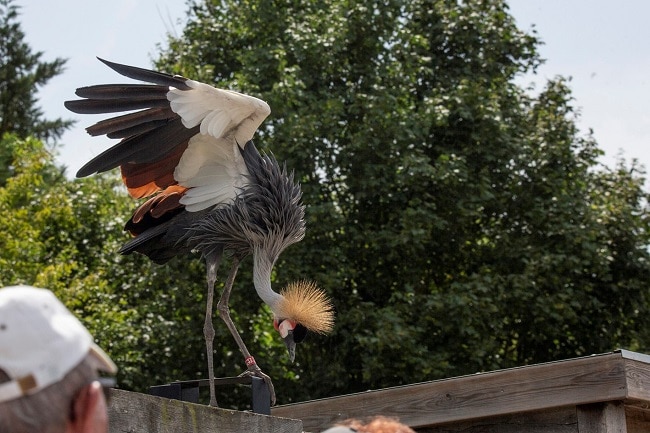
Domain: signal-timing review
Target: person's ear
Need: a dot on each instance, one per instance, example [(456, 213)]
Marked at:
[(89, 411)]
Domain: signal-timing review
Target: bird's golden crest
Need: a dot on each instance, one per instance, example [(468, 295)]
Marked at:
[(308, 305)]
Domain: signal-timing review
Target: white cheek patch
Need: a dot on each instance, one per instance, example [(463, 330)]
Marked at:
[(284, 327)]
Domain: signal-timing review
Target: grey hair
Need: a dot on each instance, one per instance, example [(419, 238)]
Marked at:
[(47, 410)]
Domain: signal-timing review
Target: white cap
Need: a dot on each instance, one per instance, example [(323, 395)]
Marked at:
[(340, 429), (40, 341)]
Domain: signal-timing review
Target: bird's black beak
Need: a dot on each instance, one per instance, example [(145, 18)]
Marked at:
[(291, 345)]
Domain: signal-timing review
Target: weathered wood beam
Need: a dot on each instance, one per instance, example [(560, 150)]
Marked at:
[(609, 377), (140, 413)]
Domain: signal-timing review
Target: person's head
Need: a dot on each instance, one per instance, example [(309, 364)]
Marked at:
[(49, 367), (377, 424)]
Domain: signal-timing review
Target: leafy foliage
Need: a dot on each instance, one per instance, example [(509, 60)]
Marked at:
[(64, 235), (460, 223), (21, 74)]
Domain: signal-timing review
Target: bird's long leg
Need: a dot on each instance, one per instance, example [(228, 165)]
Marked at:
[(224, 311), (212, 263)]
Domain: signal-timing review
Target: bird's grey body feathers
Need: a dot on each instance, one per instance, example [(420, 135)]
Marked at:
[(266, 214)]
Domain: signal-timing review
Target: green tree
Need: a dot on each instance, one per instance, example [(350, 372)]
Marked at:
[(64, 235), (460, 223), (21, 74)]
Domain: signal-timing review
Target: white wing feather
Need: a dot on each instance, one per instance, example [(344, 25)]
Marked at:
[(212, 166), (213, 170), (220, 113)]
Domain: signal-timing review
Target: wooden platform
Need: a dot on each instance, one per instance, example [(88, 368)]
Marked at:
[(601, 394)]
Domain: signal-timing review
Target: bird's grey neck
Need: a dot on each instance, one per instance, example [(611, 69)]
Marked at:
[(262, 279)]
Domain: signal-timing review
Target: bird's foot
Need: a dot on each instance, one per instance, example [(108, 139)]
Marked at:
[(252, 369)]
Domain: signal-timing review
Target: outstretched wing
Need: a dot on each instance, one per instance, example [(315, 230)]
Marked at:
[(181, 137)]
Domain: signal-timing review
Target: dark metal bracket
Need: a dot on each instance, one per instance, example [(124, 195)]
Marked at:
[(188, 390)]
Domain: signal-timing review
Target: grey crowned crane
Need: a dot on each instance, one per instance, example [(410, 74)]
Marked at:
[(188, 146)]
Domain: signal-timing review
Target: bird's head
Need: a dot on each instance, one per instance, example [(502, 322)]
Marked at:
[(303, 307)]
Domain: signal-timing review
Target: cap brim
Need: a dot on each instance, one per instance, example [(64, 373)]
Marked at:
[(104, 363), (340, 429)]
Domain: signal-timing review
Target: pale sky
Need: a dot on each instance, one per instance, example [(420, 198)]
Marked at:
[(601, 44)]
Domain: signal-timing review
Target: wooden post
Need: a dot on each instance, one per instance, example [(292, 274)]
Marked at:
[(606, 417)]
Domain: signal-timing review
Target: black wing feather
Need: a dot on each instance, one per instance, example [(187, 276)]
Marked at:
[(141, 74), (147, 147), (138, 129), (119, 123), (116, 91), (147, 135), (100, 106)]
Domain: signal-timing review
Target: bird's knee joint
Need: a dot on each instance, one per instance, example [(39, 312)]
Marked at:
[(223, 310), (208, 330)]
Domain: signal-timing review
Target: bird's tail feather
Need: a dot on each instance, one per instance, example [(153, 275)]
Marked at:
[(154, 244), (165, 240)]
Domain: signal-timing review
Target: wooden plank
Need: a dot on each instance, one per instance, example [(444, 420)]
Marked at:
[(561, 420), (543, 386), (606, 417), (637, 418), (638, 379), (140, 413)]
